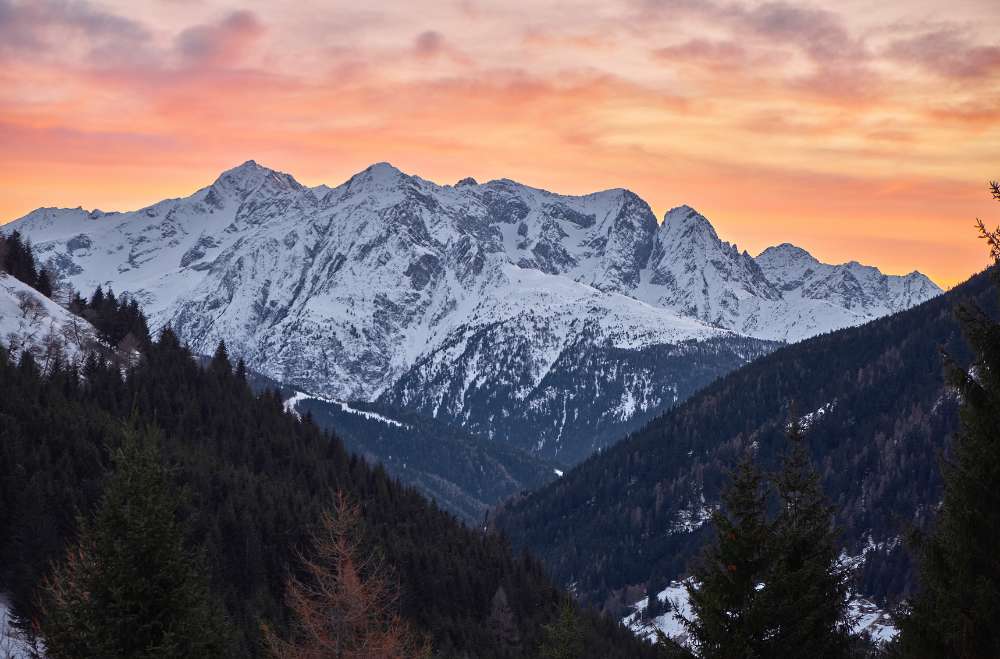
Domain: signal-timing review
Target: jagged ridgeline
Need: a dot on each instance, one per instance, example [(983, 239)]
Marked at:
[(519, 314), (877, 415), (254, 480)]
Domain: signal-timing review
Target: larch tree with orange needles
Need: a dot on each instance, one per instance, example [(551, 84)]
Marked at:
[(344, 606)]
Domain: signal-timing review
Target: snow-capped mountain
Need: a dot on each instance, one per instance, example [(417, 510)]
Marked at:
[(440, 296)]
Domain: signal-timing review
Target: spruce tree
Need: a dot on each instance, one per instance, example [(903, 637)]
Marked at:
[(129, 588), (563, 637), (805, 590), (956, 613), (220, 364), (44, 283), (241, 370), (18, 259), (728, 617), (97, 299)]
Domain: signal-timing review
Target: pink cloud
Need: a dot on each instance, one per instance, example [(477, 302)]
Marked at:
[(220, 43)]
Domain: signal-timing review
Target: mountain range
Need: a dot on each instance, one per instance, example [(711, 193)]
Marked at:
[(556, 323)]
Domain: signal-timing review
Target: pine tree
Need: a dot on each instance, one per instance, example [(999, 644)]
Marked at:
[(805, 591), (129, 588), (729, 619), (956, 611), (563, 637)]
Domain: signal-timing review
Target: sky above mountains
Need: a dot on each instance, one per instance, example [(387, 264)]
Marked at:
[(856, 131)]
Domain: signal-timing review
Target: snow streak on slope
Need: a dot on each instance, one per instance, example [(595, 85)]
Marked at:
[(291, 405)]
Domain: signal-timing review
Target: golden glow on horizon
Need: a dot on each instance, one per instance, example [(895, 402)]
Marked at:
[(854, 133)]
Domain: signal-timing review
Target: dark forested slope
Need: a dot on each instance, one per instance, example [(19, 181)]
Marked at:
[(254, 479), (878, 415)]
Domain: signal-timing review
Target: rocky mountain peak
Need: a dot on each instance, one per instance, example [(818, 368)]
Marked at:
[(250, 177), (784, 253), (379, 176), (684, 219)]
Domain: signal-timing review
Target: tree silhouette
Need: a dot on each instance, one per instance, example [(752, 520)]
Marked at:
[(955, 613), (128, 588)]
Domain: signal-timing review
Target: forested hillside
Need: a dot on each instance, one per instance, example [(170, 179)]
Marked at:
[(254, 481), (877, 415)]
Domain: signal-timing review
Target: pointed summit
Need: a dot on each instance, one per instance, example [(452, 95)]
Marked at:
[(783, 254), (686, 221), (380, 175), (250, 176)]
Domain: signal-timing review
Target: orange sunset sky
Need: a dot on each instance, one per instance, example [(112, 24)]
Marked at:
[(856, 129)]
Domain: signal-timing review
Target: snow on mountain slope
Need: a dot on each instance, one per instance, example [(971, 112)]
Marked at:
[(30, 321), (348, 291), (864, 616), (693, 271), (784, 294)]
